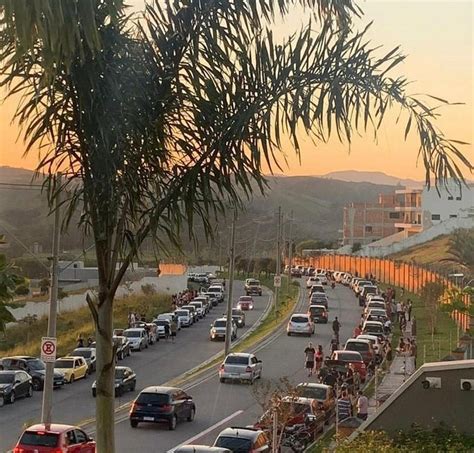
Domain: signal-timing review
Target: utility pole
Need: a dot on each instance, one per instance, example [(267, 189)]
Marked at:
[(290, 249), (228, 325), (48, 380), (278, 257)]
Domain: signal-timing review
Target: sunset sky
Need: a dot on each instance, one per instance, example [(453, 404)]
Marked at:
[(437, 37)]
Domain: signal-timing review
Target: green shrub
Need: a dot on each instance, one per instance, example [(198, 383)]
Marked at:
[(22, 290)]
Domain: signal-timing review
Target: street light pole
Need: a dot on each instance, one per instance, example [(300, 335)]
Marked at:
[(278, 257), (228, 325), (53, 305)]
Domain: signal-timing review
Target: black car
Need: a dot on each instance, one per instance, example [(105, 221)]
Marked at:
[(239, 317), (125, 381), (123, 346), (162, 405), (14, 384), (35, 367)]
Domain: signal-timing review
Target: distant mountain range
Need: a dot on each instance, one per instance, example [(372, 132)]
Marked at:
[(317, 204), (375, 177)]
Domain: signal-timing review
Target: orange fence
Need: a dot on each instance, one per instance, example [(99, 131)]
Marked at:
[(397, 273)]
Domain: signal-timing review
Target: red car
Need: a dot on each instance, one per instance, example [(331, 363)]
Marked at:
[(57, 439), (245, 303), (354, 358)]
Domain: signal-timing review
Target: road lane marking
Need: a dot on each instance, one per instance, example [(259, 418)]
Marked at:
[(207, 431)]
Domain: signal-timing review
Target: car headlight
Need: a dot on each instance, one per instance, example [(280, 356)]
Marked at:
[(117, 384), (213, 331)]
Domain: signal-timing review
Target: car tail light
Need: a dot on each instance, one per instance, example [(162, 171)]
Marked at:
[(18, 450), (248, 369), (134, 407), (167, 407), (221, 367)]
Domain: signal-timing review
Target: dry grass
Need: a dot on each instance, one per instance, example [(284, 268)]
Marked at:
[(23, 340)]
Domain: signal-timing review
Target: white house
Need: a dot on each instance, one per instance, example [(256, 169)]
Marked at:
[(451, 202)]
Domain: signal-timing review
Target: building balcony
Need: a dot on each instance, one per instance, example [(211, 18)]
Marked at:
[(415, 227), (408, 208)]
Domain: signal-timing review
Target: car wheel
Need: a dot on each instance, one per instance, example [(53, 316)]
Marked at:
[(118, 392), (94, 393), (133, 387), (222, 379), (37, 385), (146, 345), (140, 347), (30, 391), (11, 399), (88, 371), (252, 379), (120, 355), (172, 423), (191, 415), (289, 334), (133, 423), (260, 375), (71, 379), (2, 401)]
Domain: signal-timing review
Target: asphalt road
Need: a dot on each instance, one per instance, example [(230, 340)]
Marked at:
[(221, 405), (156, 365)]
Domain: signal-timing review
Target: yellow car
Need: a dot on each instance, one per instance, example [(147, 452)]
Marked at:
[(72, 367)]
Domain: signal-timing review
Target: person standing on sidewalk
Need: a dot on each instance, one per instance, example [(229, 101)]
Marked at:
[(362, 406), (319, 358), (399, 311), (309, 354), (344, 406), (409, 308)]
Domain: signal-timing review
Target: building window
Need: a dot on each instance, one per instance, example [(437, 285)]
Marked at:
[(394, 215), (453, 216), (458, 198), (435, 217), (450, 197), (368, 229)]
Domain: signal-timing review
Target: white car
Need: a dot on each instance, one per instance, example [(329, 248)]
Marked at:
[(217, 291), (137, 337), (300, 324), (170, 317), (240, 366), (160, 324), (218, 330), (184, 317), (312, 281), (323, 279), (376, 342)]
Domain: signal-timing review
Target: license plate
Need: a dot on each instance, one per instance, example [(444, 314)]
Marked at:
[(148, 419)]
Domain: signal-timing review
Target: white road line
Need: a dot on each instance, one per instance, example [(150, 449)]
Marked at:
[(206, 431)]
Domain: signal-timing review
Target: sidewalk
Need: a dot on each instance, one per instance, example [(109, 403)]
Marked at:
[(400, 370)]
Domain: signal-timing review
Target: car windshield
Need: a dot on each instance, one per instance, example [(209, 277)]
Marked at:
[(132, 334), (153, 398), (64, 364), (317, 393), (235, 444), (237, 360), (315, 310), (357, 346), (39, 439), (373, 328), (220, 323), (119, 373), (7, 378), (182, 313), (84, 353), (299, 319), (36, 364), (245, 299)]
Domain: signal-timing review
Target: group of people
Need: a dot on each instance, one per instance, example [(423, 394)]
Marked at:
[(134, 317), (82, 344), (183, 298)]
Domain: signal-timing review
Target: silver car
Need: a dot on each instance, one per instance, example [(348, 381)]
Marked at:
[(300, 323), (137, 337), (240, 366)]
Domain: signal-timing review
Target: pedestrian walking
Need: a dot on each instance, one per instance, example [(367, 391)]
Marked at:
[(399, 311), (310, 354), (362, 406), (409, 308), (344, 407), (174, 329), (336, 326), (167, 331), (319, 358), (357, 331)]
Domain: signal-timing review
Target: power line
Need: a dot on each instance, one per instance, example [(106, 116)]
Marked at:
[(19, 184)]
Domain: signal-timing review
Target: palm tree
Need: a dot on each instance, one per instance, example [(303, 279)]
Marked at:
[(159, 122)]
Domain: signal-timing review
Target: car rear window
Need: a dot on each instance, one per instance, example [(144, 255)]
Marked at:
[(237, 360), (348, 357), (299, 319), (235, 444), (153, 398), (315, 310), (39, 439), (317, 393), (357, 346)]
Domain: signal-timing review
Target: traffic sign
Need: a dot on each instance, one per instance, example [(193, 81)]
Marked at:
[(48, 349), (277, 281)]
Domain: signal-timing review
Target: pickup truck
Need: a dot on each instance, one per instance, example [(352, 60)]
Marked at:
[(253, 287)]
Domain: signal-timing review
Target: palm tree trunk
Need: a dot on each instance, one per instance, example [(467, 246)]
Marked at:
[(105, 400)]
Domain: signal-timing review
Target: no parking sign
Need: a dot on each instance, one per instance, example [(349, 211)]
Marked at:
[(48, 349)]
